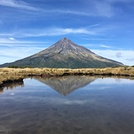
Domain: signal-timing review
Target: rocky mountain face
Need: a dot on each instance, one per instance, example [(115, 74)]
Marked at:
[(65, 54)]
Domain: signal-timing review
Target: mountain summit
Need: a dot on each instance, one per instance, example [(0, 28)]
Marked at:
[(65, 54)]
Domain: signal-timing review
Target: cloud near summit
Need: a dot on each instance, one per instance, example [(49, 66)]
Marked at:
[(16, 4)]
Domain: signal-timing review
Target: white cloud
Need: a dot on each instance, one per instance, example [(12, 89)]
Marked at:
[(49, 32), (66, 11), (14, 42), (6, 34), (10, 54), (11, 38), (62, 31), (7, 40), (124, 56), (105, 46), (74, 31), (17, 4), (59, 31)]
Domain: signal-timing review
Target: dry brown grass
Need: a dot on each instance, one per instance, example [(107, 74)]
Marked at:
[(12, 74)]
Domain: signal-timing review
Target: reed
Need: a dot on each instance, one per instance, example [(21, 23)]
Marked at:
[(14, 74)]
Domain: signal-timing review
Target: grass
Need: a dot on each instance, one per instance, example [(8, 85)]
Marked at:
[(17, 74)]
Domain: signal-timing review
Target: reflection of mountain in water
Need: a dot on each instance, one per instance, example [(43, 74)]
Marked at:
[(9, 86), (66, 84)]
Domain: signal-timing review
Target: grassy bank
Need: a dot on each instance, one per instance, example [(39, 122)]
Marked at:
[(17, 74)]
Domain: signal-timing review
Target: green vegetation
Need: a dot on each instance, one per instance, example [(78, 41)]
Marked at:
[(54, 63), (14, 66)]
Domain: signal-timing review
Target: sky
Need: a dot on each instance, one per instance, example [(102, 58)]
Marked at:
[(106, 27)]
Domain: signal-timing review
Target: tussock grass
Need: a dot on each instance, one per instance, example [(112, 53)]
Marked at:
[(16, 74)]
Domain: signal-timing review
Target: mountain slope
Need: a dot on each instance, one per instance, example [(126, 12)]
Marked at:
[(65, 54), (66, 84)]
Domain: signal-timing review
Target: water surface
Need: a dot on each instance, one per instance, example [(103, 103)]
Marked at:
[(68, 105)]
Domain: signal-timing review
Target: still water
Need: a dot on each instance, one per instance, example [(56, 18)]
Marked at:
[(68, 105)]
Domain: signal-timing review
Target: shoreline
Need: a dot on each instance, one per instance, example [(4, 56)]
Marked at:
[(11, 75), (10, 82)]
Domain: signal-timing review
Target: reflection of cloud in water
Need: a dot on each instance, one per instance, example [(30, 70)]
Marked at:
[(63, 101), (12, 94), (68, 102), (104, 87), (66, 84)]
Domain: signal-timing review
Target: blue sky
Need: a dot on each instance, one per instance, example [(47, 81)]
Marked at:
[(106, 27)]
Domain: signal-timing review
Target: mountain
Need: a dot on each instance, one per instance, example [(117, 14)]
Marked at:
[(66, 84), (65, 54)]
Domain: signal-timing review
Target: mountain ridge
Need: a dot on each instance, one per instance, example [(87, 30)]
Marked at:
[(65, 54)]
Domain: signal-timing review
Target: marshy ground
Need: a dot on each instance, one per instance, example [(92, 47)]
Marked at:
[(18, 74)]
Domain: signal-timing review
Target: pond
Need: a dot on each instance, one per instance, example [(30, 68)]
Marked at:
[(68, 105)]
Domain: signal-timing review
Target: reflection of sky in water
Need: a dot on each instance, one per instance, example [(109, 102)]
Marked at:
[(113, 81), (104, 106)]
